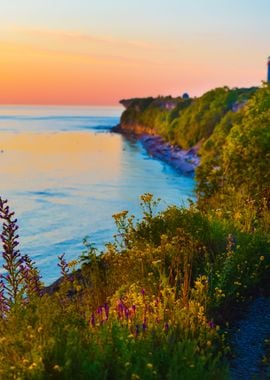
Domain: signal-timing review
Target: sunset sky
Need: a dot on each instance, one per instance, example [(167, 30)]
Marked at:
[(97, 52)]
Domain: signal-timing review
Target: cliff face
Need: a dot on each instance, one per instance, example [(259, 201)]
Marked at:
[(149, 115), (134, 128)]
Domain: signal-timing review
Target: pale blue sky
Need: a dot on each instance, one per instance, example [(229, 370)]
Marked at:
[(205, 43)]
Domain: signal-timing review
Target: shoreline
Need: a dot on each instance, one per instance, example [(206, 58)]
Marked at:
[(183, 161)]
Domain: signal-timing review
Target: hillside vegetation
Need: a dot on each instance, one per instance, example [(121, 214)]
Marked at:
[(158, 301)]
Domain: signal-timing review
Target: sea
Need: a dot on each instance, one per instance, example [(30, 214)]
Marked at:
[(65, 174)]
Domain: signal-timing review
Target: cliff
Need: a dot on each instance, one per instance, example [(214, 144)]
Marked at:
[(149, 115), (182, 121), (184, 128)]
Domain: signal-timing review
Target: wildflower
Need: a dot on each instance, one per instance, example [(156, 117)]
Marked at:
[(143, 292), (261, 258), (72, 263), (149, 365), (63, 266), (155, 262), (57, 368), (147, 197), (32, 366), (93, 322), (3, 302), (211, 324), (106, 308), (120, 215), (237, 215), (21, 276)]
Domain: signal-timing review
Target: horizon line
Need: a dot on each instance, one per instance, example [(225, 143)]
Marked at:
[(60, 105)]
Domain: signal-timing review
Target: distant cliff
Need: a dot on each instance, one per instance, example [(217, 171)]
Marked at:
[(150, 115), (182, 121)]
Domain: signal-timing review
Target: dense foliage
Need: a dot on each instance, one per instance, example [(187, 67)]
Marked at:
[(182, 121), (157, 303), (240, 144), (231, 130)]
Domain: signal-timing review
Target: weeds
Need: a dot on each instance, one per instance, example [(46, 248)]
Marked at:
[(146, 308)]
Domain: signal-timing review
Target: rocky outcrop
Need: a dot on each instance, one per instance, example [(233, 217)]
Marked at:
[(183, 161), (134, 129)]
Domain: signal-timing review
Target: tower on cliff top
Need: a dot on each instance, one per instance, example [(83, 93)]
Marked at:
[(268, 70)]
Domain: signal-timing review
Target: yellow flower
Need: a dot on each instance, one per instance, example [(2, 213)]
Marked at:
[(155, 262), (120, 215), (57, 367), (261, 258), (149, 365), (147, 197), (72, 263), (32, 366), (237, 215)]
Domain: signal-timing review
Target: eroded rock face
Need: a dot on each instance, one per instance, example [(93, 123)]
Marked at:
[(133, 129), (184, 161)]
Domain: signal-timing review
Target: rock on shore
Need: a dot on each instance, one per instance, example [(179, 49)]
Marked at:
[(184, 161)]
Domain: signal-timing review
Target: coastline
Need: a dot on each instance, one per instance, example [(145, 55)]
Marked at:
[(183, 161)]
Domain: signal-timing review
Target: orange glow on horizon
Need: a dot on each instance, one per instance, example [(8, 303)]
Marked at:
[(71, 68), (61, 152)]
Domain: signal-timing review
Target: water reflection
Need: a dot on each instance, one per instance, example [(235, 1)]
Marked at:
[(65, 177), (52, 156)]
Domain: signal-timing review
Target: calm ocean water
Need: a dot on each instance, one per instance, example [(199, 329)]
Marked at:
[(64, 174)]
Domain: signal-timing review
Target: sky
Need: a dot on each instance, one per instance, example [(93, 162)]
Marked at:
[(96, 52)]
